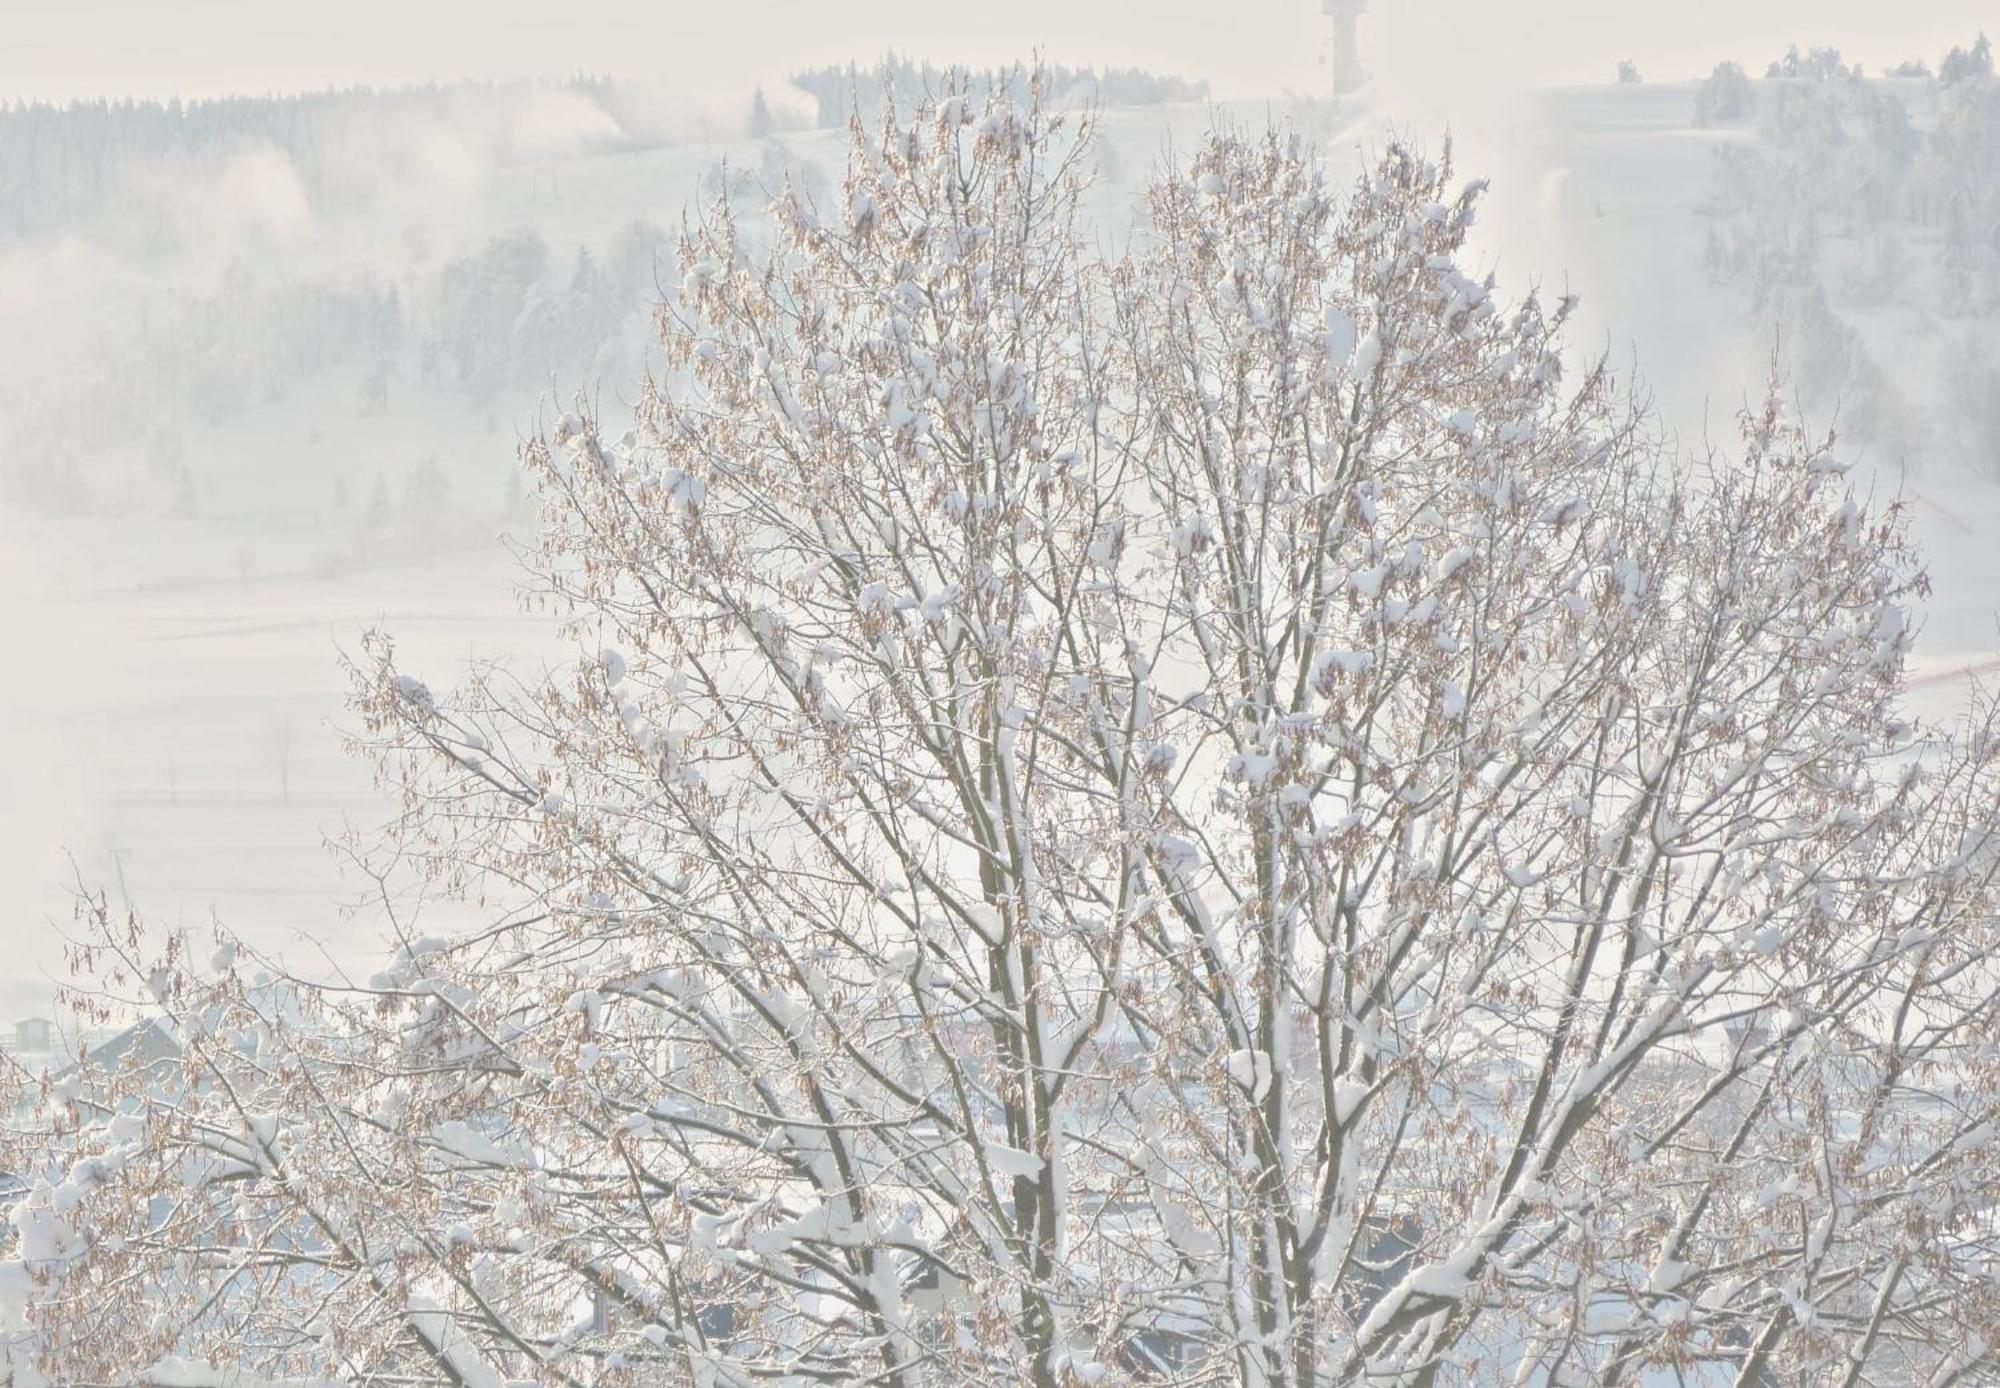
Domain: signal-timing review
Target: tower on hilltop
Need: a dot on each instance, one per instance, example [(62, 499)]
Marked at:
[(1348, 74)]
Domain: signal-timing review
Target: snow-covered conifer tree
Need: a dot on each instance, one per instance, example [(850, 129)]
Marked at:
[(376, 516)]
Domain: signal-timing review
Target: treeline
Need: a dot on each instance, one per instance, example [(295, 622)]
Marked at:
[(65, 166), (841, 91), (1908, 172), (68, 164)]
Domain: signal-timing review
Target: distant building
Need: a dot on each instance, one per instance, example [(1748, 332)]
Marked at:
[(145, 1045), (38, 1046)]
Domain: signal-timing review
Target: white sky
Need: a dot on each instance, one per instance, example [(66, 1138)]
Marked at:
[(53, 49)]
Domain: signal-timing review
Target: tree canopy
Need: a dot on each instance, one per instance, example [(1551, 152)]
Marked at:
[(1215, 816)]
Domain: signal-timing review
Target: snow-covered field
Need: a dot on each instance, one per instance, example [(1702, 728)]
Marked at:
[(178, 677)]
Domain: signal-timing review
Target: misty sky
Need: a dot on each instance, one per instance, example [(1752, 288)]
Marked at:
[(56, 49)]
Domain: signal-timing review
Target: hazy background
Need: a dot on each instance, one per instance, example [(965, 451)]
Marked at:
[(58, 49), (221, 470)]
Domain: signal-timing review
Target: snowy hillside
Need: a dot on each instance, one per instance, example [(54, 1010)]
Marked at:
[(180, 668), (1623, 211)]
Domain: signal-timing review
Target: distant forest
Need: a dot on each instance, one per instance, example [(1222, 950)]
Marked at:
[(81, 163), (1867, 208), (841, 91), (469, 323), (78, 162)]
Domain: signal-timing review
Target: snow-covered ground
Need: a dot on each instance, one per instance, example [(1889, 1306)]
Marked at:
[(174, 682)]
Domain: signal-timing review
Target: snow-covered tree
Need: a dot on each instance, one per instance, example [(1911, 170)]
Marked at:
[(1212, 818), (376, 516), (427, 501), (372, 396), (1725, 96), (844, 91), (1972, 393), (1962, 65), (516, 507), (166, 454), (1815, 65), (488, 310), (100, 164)]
